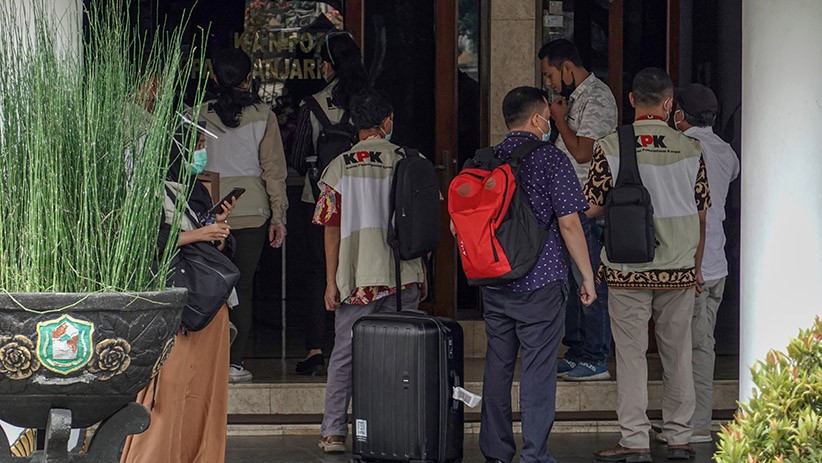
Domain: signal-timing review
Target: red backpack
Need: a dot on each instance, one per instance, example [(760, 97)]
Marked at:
[(499, 237)]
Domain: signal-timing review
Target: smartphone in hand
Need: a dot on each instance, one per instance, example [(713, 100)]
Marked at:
[(235, 193)]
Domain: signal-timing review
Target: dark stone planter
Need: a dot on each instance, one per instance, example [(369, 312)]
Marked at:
[(91, 358)]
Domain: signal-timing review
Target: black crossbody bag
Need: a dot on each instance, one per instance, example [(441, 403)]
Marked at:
[(208, 275)]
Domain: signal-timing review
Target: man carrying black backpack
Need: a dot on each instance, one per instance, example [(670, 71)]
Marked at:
[(354, 209), (659, 277)]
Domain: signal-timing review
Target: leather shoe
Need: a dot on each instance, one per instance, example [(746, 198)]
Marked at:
[(314, 365), (681, 452), (620, 453)]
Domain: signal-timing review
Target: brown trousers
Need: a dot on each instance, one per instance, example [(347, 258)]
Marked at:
[(189, 419)]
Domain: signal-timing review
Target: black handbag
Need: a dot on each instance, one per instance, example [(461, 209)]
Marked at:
[(208, 275)]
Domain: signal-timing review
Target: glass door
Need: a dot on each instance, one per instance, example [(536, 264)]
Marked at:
[(428, 56)]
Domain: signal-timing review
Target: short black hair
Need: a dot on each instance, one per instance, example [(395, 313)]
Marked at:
[(703, 119), (651, 87), (369, 108), (520, 103), (559, 51)]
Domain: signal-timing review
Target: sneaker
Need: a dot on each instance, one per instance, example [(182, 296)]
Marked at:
[(564, 367), (333, 444), (585, 371), (238, 374), (620, 453)]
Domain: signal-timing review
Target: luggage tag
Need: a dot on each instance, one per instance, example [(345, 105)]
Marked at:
[(466, 397)]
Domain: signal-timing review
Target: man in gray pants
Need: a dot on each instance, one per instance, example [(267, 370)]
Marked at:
[(359, 263), (695, 118)]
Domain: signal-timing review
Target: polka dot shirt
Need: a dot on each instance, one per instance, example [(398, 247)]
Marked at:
[(553, 190)]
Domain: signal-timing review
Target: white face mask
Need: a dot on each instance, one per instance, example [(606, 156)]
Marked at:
[(545, 136), (667, 108), (676, 122)]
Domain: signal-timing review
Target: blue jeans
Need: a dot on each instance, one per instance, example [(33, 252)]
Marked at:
[(588, 329)]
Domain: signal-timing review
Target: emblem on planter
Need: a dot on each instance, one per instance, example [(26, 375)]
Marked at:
[(64, 344)]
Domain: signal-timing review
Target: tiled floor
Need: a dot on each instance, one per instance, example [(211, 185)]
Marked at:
[(566, 448)]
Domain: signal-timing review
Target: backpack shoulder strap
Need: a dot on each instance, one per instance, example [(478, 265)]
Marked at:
[(628, 167), (318, 112), (484, 158), (408, 152), (522, 152)]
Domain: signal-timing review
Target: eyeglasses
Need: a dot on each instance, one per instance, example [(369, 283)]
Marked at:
[(328, 36)]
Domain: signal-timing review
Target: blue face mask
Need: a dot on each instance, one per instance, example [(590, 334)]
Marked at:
[(199, 159), (545, 136), (389, 134)]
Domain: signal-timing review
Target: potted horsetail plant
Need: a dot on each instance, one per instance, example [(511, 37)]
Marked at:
[(86, 319)]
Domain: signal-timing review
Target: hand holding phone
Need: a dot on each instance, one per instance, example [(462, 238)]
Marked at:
[(232, 195)]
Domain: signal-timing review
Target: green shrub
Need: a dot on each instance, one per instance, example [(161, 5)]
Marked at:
[(783, 420), (82, 165)]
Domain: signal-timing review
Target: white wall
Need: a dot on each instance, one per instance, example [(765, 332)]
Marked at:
[(67, 15), (781, 264)]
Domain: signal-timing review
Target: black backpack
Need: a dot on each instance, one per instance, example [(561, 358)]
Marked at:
[(414, 211), (333, 140), (630, 237)]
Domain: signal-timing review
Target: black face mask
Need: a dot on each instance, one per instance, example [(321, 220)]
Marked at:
[(567, 89)]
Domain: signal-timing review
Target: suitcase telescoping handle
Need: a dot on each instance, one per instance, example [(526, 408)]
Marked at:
[(455, 383)]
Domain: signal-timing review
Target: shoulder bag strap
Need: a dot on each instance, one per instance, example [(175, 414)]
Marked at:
[(628, 167), (522, 152), (318, 112), (194, 220)]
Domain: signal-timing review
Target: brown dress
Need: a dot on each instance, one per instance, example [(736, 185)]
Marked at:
[(189, 418)]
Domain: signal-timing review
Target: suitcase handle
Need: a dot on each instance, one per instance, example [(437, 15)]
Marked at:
[(455, 383)]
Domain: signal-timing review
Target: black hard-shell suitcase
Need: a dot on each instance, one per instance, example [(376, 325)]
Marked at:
[(405, 366)]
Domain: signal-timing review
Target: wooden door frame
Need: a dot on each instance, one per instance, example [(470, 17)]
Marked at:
[(616, 52), (354, 19), (445, 150), (672, 36)]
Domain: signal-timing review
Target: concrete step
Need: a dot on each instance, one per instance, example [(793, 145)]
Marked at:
[(300, 400), (281, 402)]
